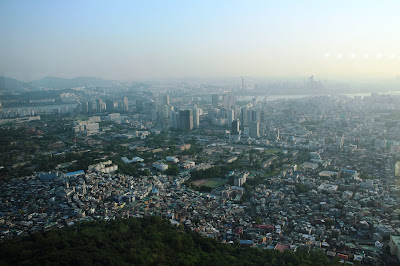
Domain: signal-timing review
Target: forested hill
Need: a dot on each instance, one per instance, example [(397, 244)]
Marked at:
[(147, 241)]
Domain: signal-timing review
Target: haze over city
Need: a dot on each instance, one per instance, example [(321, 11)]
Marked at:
[(133, 40), (199, 132)]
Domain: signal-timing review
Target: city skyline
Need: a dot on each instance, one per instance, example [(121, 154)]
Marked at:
[(174, 39)]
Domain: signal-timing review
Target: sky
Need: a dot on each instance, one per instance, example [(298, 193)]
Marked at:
[(130, 40)]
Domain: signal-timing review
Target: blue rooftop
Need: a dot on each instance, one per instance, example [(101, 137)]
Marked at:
[(348, 171), (80, 172), (246, 242)]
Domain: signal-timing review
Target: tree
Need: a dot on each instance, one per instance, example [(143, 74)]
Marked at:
[(300, 188), (172, 169), (150, 240)]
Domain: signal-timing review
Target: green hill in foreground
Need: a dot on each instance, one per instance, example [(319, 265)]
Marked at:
[(147, 241)]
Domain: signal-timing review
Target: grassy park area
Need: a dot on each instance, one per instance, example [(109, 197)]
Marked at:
[(210, 182)]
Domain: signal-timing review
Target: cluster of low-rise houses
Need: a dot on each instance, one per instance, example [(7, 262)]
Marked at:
[(343, 216), (348, 218)]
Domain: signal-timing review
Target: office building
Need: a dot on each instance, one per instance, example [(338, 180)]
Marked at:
[(229, 101), (196, 117), (186, 119), (125, 104), (215, 100), (165, 99), (235, 129), (230, 115), (109, 105), (254, 130), (244, 117), (173, 119), (139, 106), (99, 105)]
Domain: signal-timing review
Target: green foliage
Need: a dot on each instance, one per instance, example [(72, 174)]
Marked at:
[(205, 189), (131, 169), (329, 222), (150, 240), (303, 156), (194, 150), (216, 171), (172, 169), (300, 188)]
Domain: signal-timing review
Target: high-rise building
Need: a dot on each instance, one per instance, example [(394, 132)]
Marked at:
[(274, 134), (90, 107), (165, 99), (164, 111), (340, 140), (120, 105), (229, 101), (222, 113), (253, 115), (240, 180), (254, 130), (150, 106), (243, 117), (139, 105), (235, 129), (397, 169), (186, 119), (173, 119), (262, 116), (196, 117), (99, 105), (230, 115), (109, 105), (85, 107), (215, 100), (154, 114), (214, 113), (125, 104)]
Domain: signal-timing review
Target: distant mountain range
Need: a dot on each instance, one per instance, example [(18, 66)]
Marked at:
[(9, 84), (13, 85)]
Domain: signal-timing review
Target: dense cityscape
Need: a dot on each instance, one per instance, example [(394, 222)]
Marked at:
[(200, 132), (296, 173)]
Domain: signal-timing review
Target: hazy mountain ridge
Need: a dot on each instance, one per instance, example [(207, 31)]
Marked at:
[(64, 83), (10, 84), (14, 85)]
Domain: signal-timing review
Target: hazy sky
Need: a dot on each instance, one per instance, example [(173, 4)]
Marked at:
[(159, 39)]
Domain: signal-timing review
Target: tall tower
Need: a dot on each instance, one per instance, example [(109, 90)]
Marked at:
[(125, 105), (109, 105), (244, 117), (235, 127), (215, 100), (99, 105), (173, 119), (139, 105), (186, 119), (243, 88), (230, 115), (165, 99), (196, 117), (228, 101), (254, 130)]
